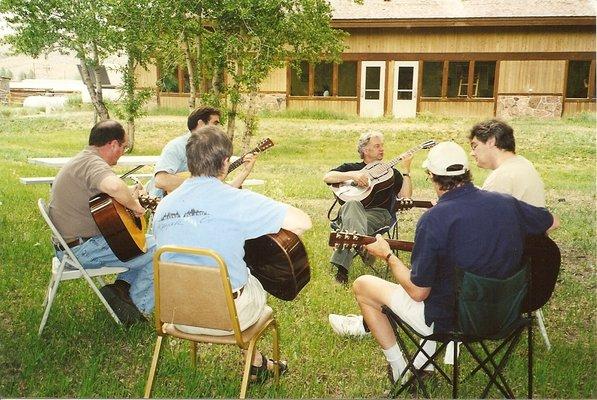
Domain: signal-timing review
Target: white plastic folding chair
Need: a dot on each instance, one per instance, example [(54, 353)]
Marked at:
[(70, 268)]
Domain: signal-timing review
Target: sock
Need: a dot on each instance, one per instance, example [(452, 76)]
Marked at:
[(396, 360)]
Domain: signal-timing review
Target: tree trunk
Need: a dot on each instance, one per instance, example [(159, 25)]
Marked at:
[(191, 68), (250, 120), (98, 104), (130, 128), (232, 118), (130, 94), (103, 113)]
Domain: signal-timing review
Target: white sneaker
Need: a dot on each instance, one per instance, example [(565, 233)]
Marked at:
[(347, 325)]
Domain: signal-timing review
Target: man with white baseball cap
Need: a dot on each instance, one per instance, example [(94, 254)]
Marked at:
[(476, 230)]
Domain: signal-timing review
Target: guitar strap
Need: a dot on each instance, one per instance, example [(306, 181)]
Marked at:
[(331, 208)]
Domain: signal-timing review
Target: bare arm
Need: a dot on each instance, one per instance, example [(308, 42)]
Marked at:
[(407, 183), (168, 182), (296, 221), (248, 163), (361, 178), (116, 188), (381, 249)]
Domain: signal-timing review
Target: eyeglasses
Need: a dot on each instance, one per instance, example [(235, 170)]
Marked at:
[(125, 146)]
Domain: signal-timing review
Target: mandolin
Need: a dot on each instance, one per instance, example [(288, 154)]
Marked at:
[(123, 231), (381, 180)]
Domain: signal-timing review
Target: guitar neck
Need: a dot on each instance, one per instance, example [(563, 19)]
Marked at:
[(422, 203), (407, 153), (237, 163)]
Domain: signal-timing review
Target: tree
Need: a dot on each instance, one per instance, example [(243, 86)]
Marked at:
[(81, 27), (252, 37)]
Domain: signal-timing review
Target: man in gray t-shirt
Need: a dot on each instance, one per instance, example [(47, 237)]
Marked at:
[(88, 174)]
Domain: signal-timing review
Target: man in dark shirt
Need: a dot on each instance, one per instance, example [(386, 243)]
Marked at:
[(478, 231), (353, 216)]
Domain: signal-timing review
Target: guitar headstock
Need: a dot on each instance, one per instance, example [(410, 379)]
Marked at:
[(428, 144), (264, 145), (348, 240), (149, 202), (404, 203)]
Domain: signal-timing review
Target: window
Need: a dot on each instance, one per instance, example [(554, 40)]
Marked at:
[(175, 79), (484, 78), (457, 81), (347, 79), (458, 78), (299, 80), (432, 78), (322, 85), (327, 79), (579, 80), (405, 83), (372, 82)]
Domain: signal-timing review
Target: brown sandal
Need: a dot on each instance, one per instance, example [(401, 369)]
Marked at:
[(262, 372)]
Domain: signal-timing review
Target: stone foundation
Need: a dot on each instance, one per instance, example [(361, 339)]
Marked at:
[(541, 106), (269, 101), (4, 90)]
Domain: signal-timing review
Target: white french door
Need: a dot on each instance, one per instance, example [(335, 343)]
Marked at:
[(405, 89), (373, 74)]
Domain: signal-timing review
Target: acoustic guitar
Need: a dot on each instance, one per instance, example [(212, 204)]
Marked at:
[(405, 203), (345, 240), (381, 180), (540, 253), (279, 261), (261, 146), (123, 231)]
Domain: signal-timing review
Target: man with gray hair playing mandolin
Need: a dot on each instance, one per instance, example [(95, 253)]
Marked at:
[(368, 190)]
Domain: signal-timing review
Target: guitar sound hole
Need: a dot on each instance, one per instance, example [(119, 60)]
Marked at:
[(138, 222)]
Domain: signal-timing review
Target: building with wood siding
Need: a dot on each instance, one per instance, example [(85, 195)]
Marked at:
[(479, 58)]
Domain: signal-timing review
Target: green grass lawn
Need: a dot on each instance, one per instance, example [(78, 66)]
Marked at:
[(82, 353)]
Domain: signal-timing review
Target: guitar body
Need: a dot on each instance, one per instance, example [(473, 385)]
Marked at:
[(544, 258), (377, 194), (279, 261), (124, 233)]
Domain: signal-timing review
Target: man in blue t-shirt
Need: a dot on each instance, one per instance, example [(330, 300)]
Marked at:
[(205, 212), (478, 231), (353, 216), (172, 164)]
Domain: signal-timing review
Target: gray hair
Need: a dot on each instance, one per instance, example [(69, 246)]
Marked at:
[(365, 139), (206, 151)]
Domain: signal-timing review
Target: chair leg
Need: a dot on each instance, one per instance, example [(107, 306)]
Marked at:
[(50, 297), (530, 360), (153, 368), (276, 350), (99, 295), (249, 354), (455, 371), (539, 315), (193, 353)]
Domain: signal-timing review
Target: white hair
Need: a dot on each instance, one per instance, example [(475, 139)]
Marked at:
[(364, 140)]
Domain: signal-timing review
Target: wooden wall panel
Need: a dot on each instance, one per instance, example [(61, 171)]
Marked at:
[(532, 77), (146, 78), (471, 40), (275, 81), (481, 109), (337, 106), (574, 107), (174, 101)]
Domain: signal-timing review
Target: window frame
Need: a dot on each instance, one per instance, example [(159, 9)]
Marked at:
[(590, 89), (471, 73), (334, 89)]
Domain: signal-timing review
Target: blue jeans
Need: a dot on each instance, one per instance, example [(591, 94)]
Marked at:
[(95, 253)]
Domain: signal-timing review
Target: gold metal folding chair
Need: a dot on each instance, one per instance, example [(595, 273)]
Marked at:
[(201, 296)]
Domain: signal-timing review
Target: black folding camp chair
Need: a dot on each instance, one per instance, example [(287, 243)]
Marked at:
[(486, 310)]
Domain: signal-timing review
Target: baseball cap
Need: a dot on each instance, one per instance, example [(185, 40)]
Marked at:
[(446, 159)]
